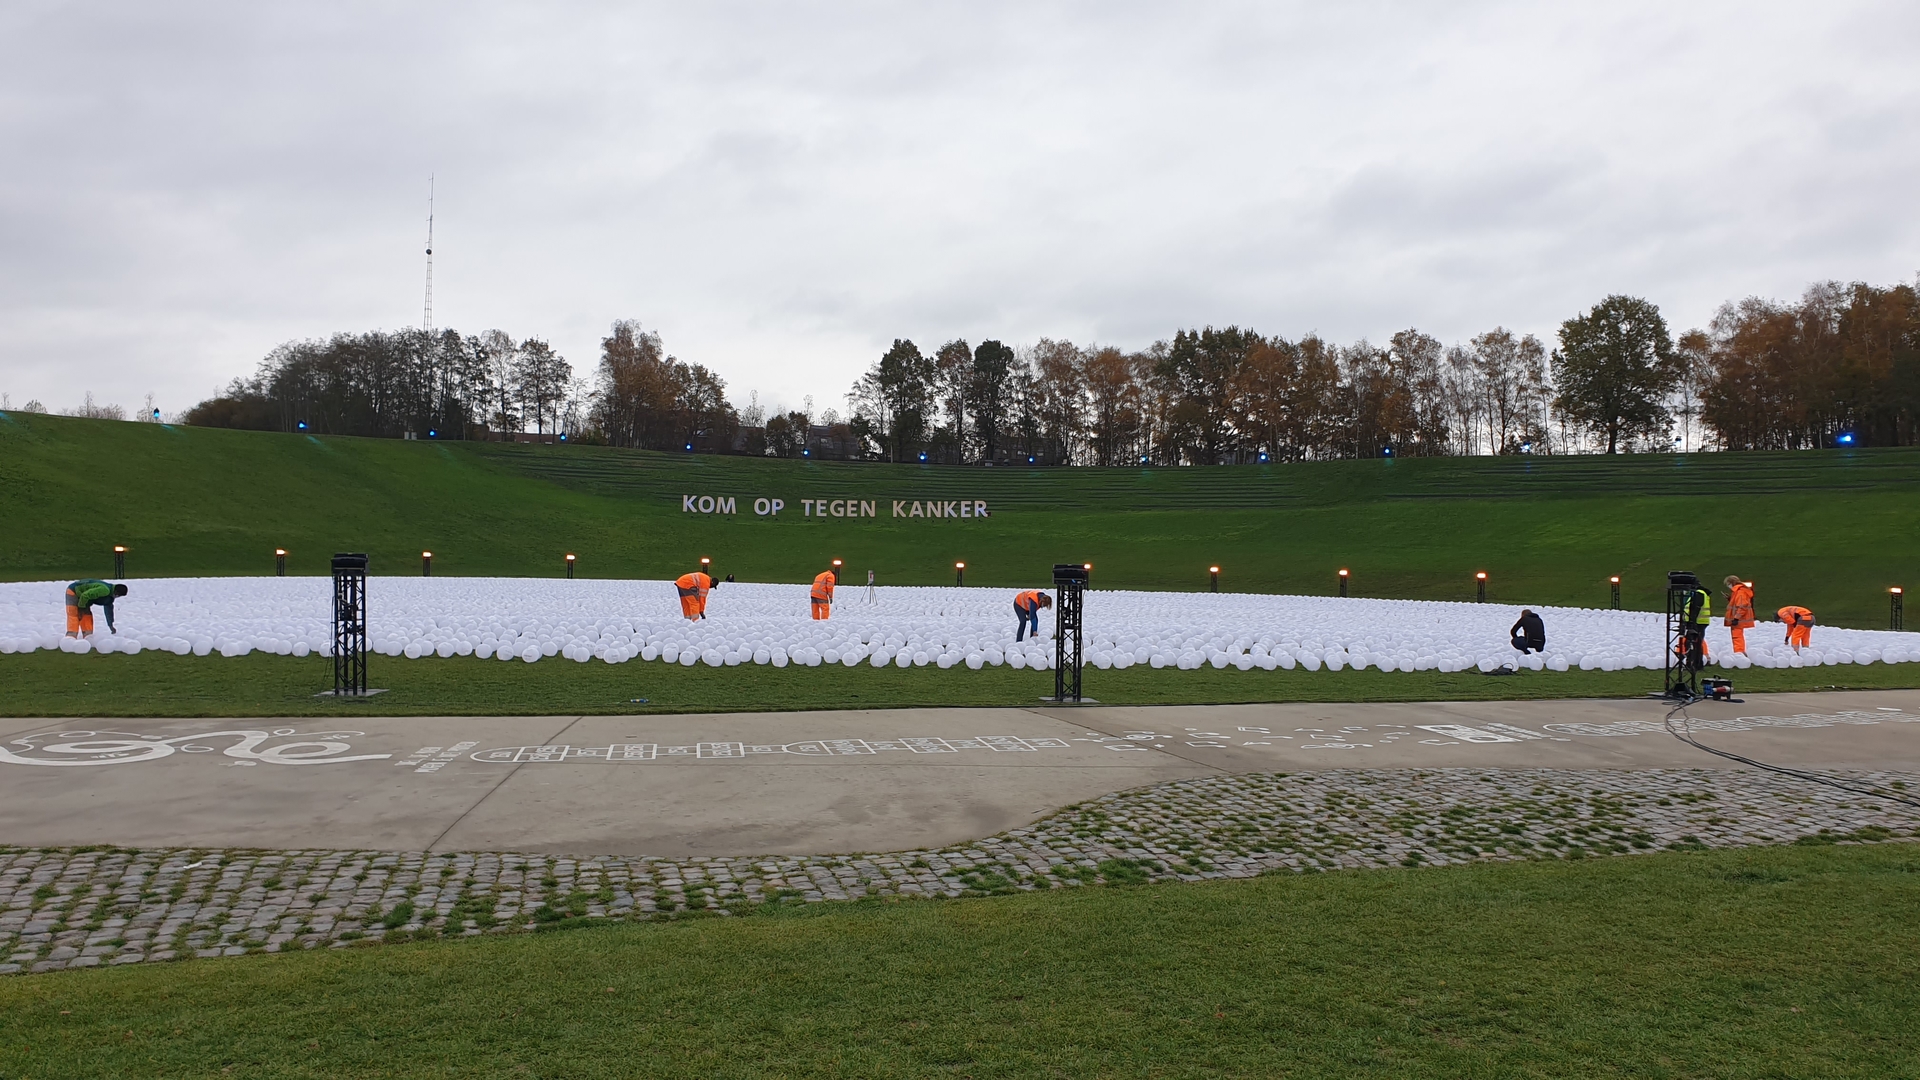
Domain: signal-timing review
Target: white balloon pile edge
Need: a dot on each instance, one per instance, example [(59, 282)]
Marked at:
[(529, 619)]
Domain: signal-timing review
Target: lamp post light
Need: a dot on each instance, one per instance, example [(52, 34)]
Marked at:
[(119, 561), (1343, 581), (1615, 582), (426, 564), (1480, 580), (959, 574), (706, 563), (1088, 567), (569, 566), (1896, 619), (1213, 574), (279, 562)]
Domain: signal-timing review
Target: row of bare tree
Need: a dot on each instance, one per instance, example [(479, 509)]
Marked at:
[(1839, 367), (1206, 396), (1841, 364), (392, 383)]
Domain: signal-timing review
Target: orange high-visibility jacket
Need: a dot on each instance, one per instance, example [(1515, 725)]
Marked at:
[(1795, 616), (1740, 607), (1028, 600), (694, 584), (823, 587)]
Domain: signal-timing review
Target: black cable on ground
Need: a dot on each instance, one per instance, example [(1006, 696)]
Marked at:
[(1685, 734)]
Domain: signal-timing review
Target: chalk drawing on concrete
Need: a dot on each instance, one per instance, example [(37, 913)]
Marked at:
[(740, 751), (1623, 728), (64, 748)]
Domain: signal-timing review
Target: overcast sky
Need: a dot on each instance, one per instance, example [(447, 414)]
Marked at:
[(782, 189)]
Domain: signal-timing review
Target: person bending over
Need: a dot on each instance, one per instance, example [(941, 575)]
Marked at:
[(1799, 624), (822, 594), (81, 596), (1529, 634), (693, 589), (1026, 612)]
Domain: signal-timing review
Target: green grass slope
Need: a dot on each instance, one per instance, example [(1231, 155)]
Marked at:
[(1830, 530), (1782, 962)]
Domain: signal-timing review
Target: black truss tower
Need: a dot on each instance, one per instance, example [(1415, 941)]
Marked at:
[(1684, 649), (1069, 582), (349, 624)]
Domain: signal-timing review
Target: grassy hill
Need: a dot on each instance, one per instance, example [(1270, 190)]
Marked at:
[(1829, 529)]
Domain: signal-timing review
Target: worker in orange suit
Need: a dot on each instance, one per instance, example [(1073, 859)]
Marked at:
[(1799, 623), (1026, 612), (823, 593), (693, 589), (1739, 611)]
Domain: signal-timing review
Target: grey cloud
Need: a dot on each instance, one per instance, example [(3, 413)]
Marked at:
[(783, 189)]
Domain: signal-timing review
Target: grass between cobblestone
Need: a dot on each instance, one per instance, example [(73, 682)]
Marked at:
[(55, 684), (1781, 962)]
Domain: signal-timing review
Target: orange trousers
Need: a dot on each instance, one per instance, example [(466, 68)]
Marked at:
[(1739, 638), (79, 619), (1799, 636), (822, 608), (693, 607)]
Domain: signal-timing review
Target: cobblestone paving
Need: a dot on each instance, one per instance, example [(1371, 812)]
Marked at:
[(82, 907)]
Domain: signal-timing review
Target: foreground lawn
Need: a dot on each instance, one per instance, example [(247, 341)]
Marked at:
[(161, 684), (1780, 962)]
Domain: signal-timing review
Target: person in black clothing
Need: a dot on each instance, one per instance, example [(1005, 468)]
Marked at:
[(1529, 633)]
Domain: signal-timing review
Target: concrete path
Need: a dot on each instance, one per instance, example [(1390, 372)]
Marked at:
[(815, 782)]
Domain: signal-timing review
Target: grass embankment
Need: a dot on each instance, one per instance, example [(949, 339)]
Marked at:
[(1830, 530), (54, 684), (1781, 962)]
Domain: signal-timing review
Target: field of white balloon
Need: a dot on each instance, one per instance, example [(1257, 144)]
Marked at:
[(529, 619)]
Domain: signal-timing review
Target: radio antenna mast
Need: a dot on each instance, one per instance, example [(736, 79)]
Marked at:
[(426, 321)]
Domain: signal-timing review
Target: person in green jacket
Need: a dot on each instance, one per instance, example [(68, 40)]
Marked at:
[(81, 596)]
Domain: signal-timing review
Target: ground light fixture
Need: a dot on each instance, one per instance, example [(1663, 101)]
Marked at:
[(1615, 582), (279, 562), (1896, 614), (1213, 575), (426, 564), (302, 425), (119, 561), (1263, 457), (959, 574), (1846, 438), (1343, 580), (569, 566), (1480, 583), (923, 457)]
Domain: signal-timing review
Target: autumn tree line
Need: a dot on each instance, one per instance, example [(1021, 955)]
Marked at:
[(1842, 363)]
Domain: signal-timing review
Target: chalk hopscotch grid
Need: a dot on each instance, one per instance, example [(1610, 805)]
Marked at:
[(736, 751)]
